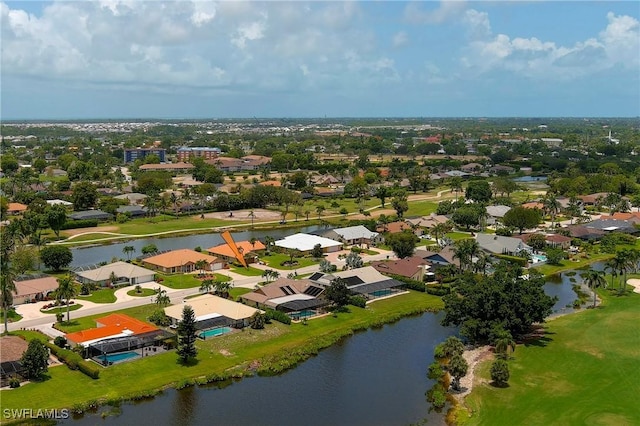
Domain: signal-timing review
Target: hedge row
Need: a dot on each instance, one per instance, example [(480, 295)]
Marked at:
[(74, 361), (74, 224), (409, 283), (521, 261), (278, 316), (438, 289), (358, 301)]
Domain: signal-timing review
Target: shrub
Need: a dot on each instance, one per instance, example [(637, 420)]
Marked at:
[(89, 369), (272, 314), (85, 223), (409, 283), (358, 301), (500, 372), (438, 289), (520, 261), (158, 317), (60, 341), (14, 383)]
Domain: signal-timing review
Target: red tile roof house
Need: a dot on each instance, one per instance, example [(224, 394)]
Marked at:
[(111, 326), (411, 267), (16, 208), (394, 227), (225, 252), (30, 290), (182, 261), (11, 350)]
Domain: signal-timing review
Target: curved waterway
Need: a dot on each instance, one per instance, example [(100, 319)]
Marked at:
[(376, 377), (90, 255)]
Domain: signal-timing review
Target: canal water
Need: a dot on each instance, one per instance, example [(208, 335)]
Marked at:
[(91, 255), (376, 377)]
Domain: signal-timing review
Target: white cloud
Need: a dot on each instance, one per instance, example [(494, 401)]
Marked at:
[(447, 10), (400, 39), (251, 31)]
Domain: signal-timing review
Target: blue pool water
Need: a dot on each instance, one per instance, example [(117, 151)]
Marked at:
[(121, 356), (381, 293), (215, 332), (537, 258), (531, 179), (302, 314)]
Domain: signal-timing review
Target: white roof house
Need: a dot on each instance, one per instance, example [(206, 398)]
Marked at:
[(122, 270), (498, 244), (209, 306), (59, 202), (497, 211), (358, 232), (306, 242)]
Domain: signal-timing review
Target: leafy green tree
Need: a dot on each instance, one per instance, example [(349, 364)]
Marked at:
[(458, 368), (480, 304), (468, 216), (56, 217), (503, 341), (521, 218), (257, 321), (465, 250), (450, 347), (186, 331), (149, 249), (24, 259), (66, 291), (35, 359), (555, 256), (338, 293), (56, 257), (317, 251), (537, 241), (84, 195), (128, 251), (162, 298), (504, 186), (400, 204), (500, 372), (479, 191), (595, 279), (7, 289), (382, 193), (435, 371), (403, 243)]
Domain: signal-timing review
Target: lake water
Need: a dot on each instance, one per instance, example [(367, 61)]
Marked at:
[(377, 377), (83, 256)]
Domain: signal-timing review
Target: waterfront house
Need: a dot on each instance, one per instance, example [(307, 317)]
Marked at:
[(353, 235), (413, 267), (91, 214), (115, 273), (110, 327), (498, 244), (182, 261), (440, 258), (33, 288), (306, 242), (366, 282), (286, 295), (226, 253), (213, 311)]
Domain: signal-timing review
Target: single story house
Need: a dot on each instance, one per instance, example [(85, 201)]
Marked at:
[(182, 261), (225, 252), (306, 242), (633, 217), (133, 210), (91, 214), (16, 208), (500, 169), (394, 227), (496, 213), (59, 202), (611, 225), (123, 272), (413, 267), (533, 205), (443, 257), (593, 199), (213, 311), (286, 295), (33, 289), (366, 281), (353, 235), (110, 327), (11, 350), (428, 221), (472, 167), (497, 244), (557, 240), (584, 233), (132, 197)]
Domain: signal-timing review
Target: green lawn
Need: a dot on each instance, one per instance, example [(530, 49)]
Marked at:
[(274, 348), (12, 315), (275, 259), (567, 265), (144, 292), (63, 309), (247, 272), (421, 208), (584, 371), (102, 295), (238, 291), (180, 281), (455, 236), (77, 324)]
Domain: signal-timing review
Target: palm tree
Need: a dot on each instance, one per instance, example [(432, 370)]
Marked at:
[(7, 290), (201, 265), (307, 213), (481, 264), (595, 279), (503, 342), (440, 229), (319, 210), (174, 200), (612, 267), (465, 250), (222, 288), (551, 206), (252, 215), (268, 242), (162, 299), (207, 285), (456, 185), (128, 250), (66, 290), (624, 263), (253, 242)]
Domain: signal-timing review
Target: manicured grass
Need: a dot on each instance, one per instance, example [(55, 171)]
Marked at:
[(77, 324), (421, 208), (63, 309), (274, 348), (144, 292), (455, 236), (103, 295), (248, 272), (566, 264), (238, 291), (583, 371), (12, 315), (180, 281), (275, 259)]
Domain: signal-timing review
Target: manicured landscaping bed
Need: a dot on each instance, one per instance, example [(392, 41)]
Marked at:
[(584, 370), (77, 324), (144, 292), (275, 260), (62, 309), (12, 316), (273, 349), (179, 281)]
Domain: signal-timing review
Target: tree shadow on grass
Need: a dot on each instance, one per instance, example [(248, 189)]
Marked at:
[(539, 336), (191, 362), (499, 385)]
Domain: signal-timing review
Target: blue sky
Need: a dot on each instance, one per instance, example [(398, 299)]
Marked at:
[(205, 59)]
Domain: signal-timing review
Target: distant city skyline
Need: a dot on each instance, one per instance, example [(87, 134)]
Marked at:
[(203, 59)]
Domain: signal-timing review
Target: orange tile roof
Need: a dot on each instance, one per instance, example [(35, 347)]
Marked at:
[(111, 325), (16, 207), (177, 258), (244, 246), (533, 205)]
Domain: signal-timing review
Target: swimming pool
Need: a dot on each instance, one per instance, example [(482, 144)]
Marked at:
[(538, 258), (381, 293), (118, 357), (214, 332), (302, 314)]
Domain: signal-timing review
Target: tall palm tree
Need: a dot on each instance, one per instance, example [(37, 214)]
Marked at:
[(319, 210), (307, 213), (595, 279), (624, 263), (7, 290), (162, 299), (174, 200), (465, 250), (456, 185), (128, 250), (222, 288), (252, 215), (201, 265), (551, 206), (440, 229), (612, 267), (66, 291), (207, 285)]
